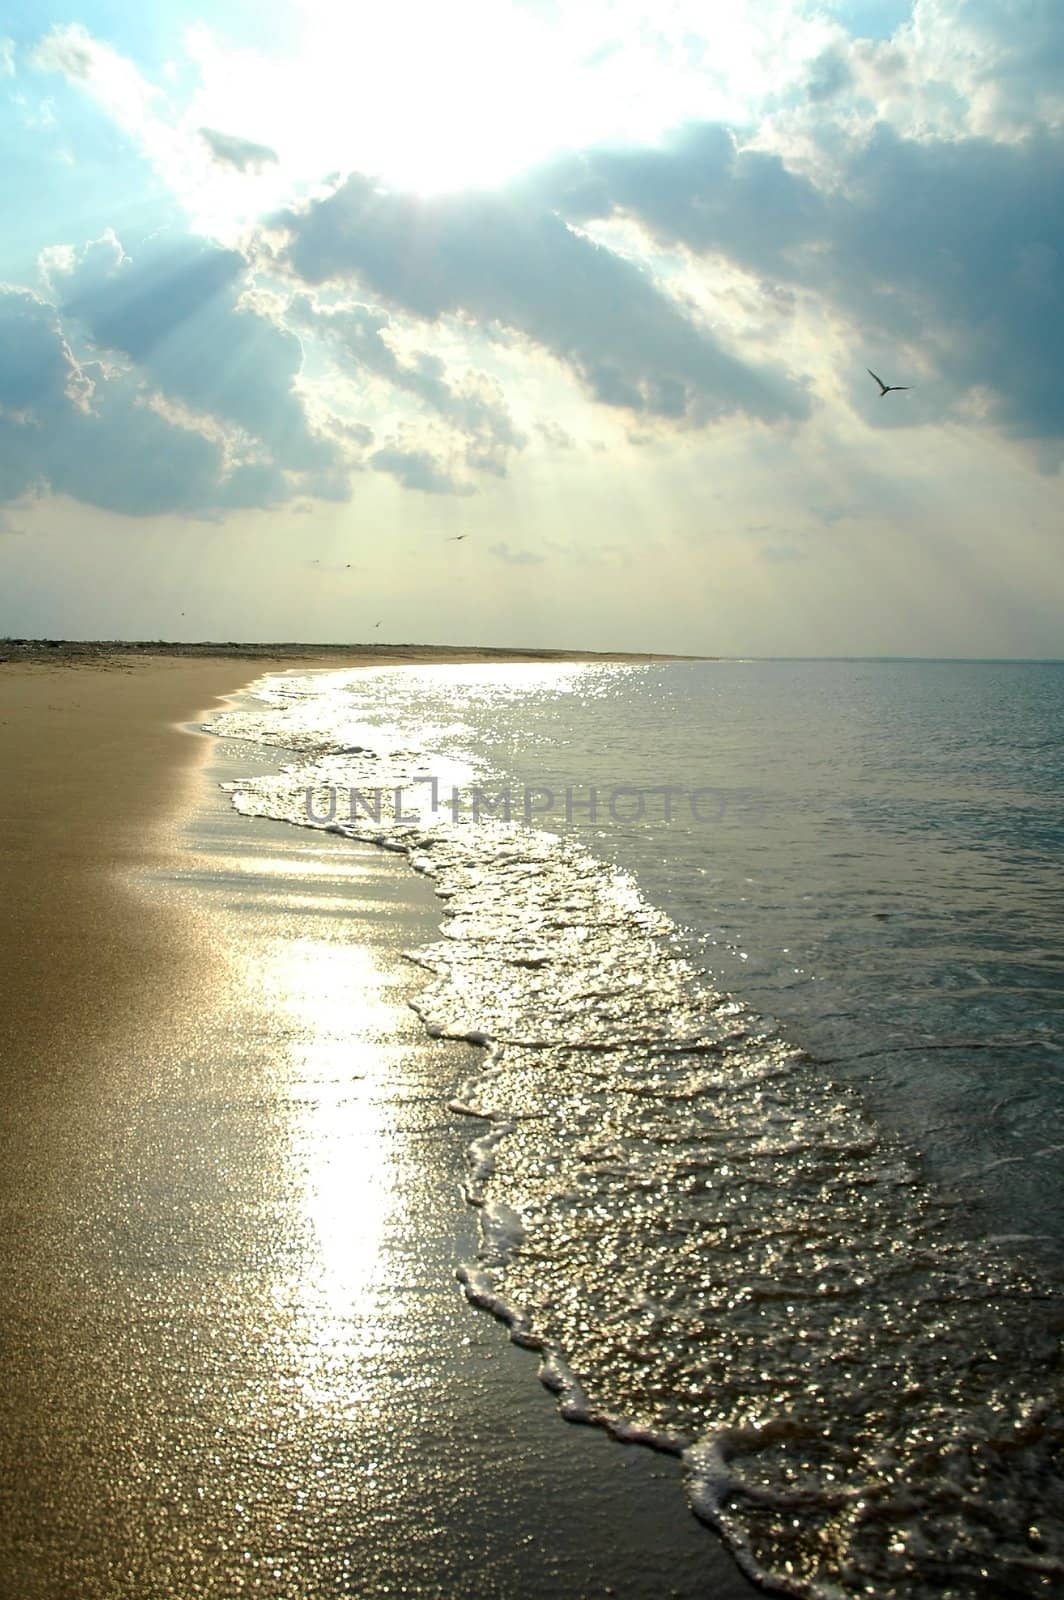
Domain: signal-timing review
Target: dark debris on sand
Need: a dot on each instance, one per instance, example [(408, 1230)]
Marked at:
[(124, 651)]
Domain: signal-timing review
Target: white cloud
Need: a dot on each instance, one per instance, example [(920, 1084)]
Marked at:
[(369, 344), (435, 99), (110, 78), (990, 69), (222, 181), (515, 558)]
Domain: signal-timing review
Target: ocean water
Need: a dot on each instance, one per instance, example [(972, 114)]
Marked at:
[(766, 961)]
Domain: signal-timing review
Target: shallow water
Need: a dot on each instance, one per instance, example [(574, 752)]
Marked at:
[(770, 1104)]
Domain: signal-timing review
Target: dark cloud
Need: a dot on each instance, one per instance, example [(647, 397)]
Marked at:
[(100, 453), (78, 429), (952, 248), (35, 360), (829, 75), (241, 154), (155, 387), (175, 312), (417, 469), (511, 261), (699, 190), (957, 247)]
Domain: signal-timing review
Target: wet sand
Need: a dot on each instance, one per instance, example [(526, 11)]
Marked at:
[(236, 1359), (92, 775)]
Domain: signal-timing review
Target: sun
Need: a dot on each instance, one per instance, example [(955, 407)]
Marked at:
[(430, 98), (438, 97), (420, 96)]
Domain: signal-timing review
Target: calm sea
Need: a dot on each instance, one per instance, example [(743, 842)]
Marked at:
[(767, 964)]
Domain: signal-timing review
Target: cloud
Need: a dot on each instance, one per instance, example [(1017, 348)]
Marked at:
[(36, 363), (982, 67), (514, 264), (829, 75), (515, 558), (151, 387), (215, 179), (64, 267), (472, 404), (699, 189), (555, 435), (417, 469), (110, 78), (7, 58), (948, 252), (242, 154), (957, 247), (69, 50), (75, 430), (905, 200), (782, 553), (175, 311)]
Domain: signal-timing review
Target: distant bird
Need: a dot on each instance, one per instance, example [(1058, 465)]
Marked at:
[(454, 538), (886, 388), (377, 624)]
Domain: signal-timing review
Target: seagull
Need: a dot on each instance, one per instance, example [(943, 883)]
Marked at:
[(886, 388)]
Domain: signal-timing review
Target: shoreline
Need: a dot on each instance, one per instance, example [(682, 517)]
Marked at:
[(156, 1129), (127, 652), (98, 702)]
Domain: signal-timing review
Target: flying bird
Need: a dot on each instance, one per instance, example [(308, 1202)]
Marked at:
[(454, 537), (886, 388)]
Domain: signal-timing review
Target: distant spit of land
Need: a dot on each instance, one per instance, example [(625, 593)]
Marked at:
[(120, 652)]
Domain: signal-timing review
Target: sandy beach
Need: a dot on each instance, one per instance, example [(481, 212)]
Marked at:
[(94, 772), (236, 1357)]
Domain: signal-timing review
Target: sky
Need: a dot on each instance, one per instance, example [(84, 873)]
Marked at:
[(524, 323)]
